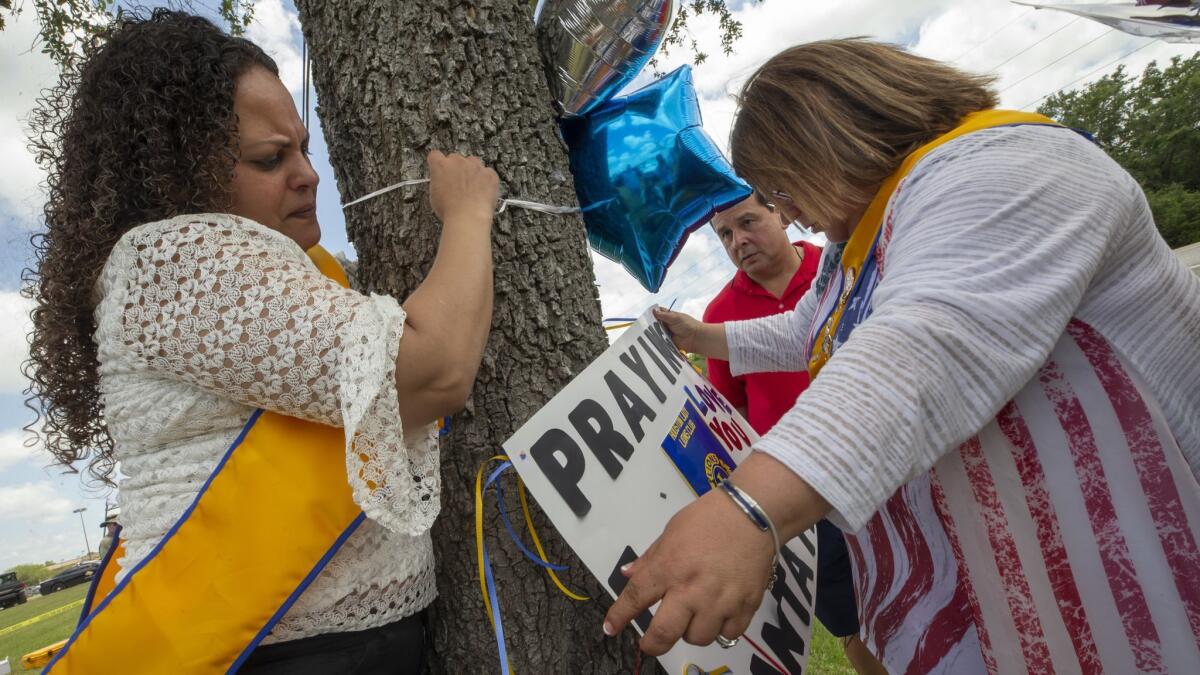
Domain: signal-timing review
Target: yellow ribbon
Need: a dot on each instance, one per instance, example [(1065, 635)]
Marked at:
[(537, 543), (487, 604), (862, 241)]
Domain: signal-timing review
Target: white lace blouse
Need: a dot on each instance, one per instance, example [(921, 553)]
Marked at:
[(205, 317)]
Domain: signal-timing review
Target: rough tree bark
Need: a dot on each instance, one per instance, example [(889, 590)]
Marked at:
[(394, 80)]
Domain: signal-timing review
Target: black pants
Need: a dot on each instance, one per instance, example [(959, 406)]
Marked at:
[(835, 606), (392, 649)]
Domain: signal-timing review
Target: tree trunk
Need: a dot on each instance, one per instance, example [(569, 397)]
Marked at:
[(394, 80)]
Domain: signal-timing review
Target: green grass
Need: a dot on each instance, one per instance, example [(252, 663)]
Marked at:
[(827, 657), (46, 632)]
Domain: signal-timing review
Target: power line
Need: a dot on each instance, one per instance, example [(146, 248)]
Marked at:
[(1056, 32), (1089, 74), (704, 292), (993, 34), (667, 290), (1057, 60), (677, 274), (681, 287)]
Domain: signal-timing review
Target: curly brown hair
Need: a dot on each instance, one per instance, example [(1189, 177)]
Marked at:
[(142, 129)]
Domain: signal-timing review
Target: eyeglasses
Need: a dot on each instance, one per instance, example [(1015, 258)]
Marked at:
[(777, 197), (784, 198)]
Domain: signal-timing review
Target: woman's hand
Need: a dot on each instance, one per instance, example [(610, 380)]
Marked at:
[(450, 313), (697, 337), (709, 567), (462, 189), (709, 590)]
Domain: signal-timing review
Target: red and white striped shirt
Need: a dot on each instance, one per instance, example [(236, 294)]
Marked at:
[(1013, 433)]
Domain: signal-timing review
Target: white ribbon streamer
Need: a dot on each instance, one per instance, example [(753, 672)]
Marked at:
[(504, 203), (372, 195), (536, 206)]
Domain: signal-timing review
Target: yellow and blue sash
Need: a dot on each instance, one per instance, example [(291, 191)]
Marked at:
[(847, 300), (272, 514)]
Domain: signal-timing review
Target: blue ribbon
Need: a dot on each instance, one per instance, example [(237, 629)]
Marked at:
[(491, 587), (623, 319), (489, 581), (536, 559)]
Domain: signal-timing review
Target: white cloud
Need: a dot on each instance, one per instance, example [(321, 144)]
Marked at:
[(37, 519), (277, 31), (33, 502), (18, 446), (697, 274), (25, 71), (14, 348), (1033, 52), (30, 549)]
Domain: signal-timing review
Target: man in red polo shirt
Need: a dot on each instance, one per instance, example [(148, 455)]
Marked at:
[(773, 273)]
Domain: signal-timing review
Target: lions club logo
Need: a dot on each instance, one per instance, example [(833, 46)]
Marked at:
[(715, 469)]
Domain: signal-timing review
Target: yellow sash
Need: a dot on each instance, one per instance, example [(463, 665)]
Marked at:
[(273, 512), (862, 241)]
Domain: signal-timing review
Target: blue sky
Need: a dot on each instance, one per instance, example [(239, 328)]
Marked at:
[(36, 522)]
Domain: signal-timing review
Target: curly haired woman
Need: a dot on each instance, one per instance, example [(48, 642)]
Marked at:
[(178, 317)]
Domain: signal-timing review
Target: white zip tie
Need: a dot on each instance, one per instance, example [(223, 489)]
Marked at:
[(504, 203)]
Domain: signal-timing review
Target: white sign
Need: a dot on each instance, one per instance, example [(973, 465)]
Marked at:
[(629, 442)]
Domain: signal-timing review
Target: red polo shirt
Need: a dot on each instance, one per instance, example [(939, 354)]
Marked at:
[(765, 396)]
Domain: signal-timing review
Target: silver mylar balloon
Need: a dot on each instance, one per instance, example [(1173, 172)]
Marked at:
[(592, 48)]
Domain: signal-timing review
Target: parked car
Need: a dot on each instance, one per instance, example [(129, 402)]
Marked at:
[(12, 592), (79, 574)]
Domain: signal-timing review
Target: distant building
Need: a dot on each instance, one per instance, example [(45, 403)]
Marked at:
[(1190, 255)]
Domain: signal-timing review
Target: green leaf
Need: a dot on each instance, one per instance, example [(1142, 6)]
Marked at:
[(1151, 126)]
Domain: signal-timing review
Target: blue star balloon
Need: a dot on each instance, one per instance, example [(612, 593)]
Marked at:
[(647, 175)]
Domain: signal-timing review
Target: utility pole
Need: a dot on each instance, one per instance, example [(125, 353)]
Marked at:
[(87, 546)]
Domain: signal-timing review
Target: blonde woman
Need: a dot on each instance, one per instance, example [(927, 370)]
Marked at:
[(1004, 415)]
